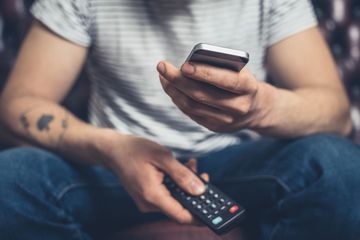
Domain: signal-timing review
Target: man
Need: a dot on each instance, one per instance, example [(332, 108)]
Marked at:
[(142, 128)]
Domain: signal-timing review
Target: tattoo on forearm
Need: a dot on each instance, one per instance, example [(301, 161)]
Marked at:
[(24, 121), (64, 125), (65, 122), (43, 124)]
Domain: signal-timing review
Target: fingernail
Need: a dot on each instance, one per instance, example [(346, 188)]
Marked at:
[(161, 68), (197, 187), (188, 68)]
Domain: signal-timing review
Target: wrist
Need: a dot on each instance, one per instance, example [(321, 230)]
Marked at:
[(105, 140), (264, 107)]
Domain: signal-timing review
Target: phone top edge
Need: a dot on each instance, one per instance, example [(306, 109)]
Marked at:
[(213, 48)]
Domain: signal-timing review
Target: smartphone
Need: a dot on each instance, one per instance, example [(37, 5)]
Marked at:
[(217, 56)]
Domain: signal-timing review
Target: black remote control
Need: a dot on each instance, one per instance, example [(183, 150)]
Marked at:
[(213, 207)]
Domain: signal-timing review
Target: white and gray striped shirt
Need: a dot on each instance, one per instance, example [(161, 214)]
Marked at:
[(127, 38)]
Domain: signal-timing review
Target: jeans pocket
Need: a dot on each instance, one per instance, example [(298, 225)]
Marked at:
[(256, 193)]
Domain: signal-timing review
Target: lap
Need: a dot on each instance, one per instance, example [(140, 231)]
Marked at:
[(265, 176), (91, 196), (310, 181)]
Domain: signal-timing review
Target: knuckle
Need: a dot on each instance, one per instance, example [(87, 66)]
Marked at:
[(236, 84), (162, 154), (229, 120), (244, 105), (183, 177), (247, 82), (251, 87), (167, 87), (200, 97), (186, 105), (148, 195), (244, 109), (254, 88), (205, 72), (171, 78), (244, 74)]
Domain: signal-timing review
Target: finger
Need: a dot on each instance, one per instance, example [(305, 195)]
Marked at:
[(172, 208), (191, 107), (237, 82), (205, 94), (205, 177), (199, 91), (192, 164), (184, 177)]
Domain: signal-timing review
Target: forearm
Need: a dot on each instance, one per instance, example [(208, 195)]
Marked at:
[(49, 125), (303, 111)]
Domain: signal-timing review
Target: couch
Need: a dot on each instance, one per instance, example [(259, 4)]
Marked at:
[(340, 25)]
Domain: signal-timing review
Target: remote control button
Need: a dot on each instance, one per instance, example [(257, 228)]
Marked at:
[(204, 211), (194, 202), (222, 200), (188, 198), (223, 207), (198, 207), (209, 216), (208, 201), (202, 197), (213, 206), (234, 209), (229, 203), (216, 212), (216, 195), (211, 191), (217, 220)]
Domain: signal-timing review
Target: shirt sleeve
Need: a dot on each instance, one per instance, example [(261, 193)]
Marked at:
[(67, 18), (288, 17)]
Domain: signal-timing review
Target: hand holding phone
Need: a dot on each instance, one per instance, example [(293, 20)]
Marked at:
[(214, 88)]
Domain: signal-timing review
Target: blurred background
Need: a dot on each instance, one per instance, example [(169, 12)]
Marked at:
[(339, 22)]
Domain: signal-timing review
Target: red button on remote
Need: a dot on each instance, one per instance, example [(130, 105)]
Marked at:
[(234, 209)]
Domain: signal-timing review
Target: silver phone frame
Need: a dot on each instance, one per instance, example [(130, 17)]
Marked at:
[(213, 48)]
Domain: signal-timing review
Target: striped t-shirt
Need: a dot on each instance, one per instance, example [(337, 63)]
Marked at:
[(127, 38)]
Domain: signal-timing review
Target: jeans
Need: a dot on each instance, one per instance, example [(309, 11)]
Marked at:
[(308, 188)]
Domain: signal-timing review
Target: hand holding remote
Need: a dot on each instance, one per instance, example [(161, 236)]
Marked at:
[(141, 165)]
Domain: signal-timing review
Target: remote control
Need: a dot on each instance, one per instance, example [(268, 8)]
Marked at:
[(219, 212)]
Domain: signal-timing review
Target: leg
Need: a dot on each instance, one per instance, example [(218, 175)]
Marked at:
[(302, 189), (45, 197)]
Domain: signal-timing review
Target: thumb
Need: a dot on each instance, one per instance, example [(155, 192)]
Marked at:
[(184, 177)]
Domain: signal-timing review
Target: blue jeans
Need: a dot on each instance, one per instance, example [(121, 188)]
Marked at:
[(307, 188)]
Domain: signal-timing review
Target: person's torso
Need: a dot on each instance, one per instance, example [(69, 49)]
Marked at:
[(129, 38)]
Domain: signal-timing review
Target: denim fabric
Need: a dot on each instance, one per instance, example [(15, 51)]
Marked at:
[(308, 188)]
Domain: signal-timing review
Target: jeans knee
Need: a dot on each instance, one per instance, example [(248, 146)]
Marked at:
[(326, 151), (24, 177), (329, 178), (321, 146), (30, 180), (326, 157), (22, 163)]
